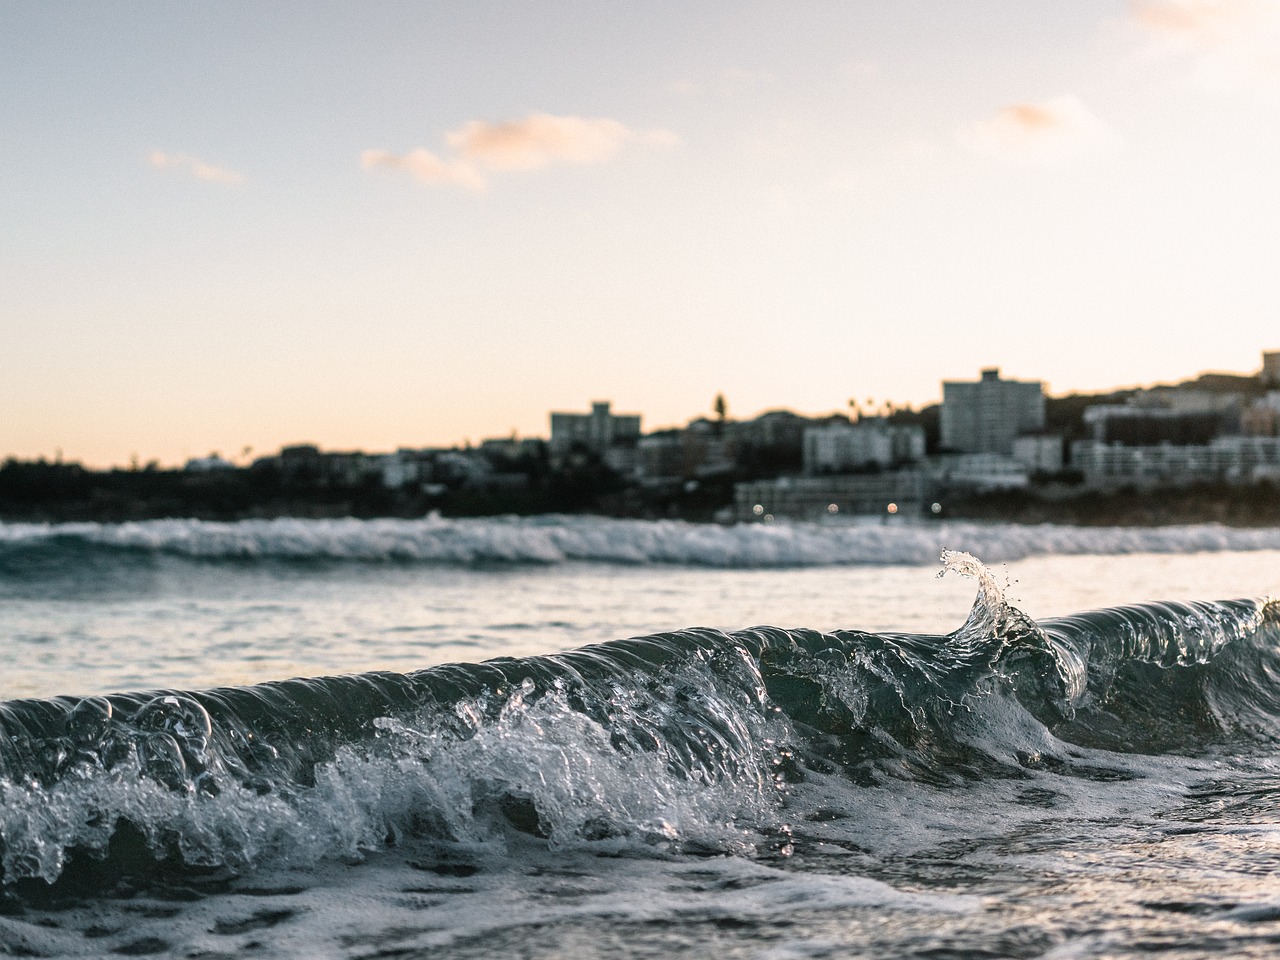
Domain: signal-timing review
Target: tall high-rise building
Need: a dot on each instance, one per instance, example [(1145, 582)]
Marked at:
[(985, 416)]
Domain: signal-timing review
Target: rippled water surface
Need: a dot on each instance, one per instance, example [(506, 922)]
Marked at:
[(896, 771)]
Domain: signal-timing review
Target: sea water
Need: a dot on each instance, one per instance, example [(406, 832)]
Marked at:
[(571, 737)]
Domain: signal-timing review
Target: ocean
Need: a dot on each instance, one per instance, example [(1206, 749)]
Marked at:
[(580, 737)]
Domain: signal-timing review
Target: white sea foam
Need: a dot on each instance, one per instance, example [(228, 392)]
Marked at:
[(410, 778), (391, 905), (558, 539)]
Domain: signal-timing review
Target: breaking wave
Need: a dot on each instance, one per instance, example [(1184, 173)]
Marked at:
[(697, 739), (559, 539)]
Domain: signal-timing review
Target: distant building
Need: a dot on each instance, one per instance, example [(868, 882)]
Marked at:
[(778, 429), (299, 453), (1248, 459), (1039, 452), (1185, 400), (511, 448), (980, 472), (1271, 368), (1262, 417), (1225, 459), (306, 463), (985, 416), (406, 467), (660, 457), (210, 464), (399, 470), (706, 450), (1138, 426), (891, 492), (774, 441), (841, 447), (1164, 415), (299, 462), (349, 468), (462, 468), (596, 431), (622, 460)]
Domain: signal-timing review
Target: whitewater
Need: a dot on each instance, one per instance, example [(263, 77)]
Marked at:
[(581, 737), (559, 539)]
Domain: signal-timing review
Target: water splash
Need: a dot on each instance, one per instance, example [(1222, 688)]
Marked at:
[(989, 611), (696, 737)]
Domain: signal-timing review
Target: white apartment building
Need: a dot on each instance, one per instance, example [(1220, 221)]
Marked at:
[(840, 447), (1228, 459), (597, 431), (1039, 453), (980, 472), (985, 416), (1262, 417)]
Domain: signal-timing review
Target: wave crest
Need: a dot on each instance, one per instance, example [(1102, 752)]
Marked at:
[(560, 539), (695, 737)]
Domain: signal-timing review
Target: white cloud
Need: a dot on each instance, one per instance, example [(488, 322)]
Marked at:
[(1058, 130), (194, 167), (1229, 43), (425, 166), (539, 140)]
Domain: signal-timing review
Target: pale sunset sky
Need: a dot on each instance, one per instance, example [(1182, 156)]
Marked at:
[(371, 225)]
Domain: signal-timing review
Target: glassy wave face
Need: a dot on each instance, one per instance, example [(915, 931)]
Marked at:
[(691, 743), (558, 539)]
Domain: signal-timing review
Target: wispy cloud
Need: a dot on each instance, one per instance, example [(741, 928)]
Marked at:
[(1058, 130), (539, 140), (1230, 43), (194, 167), (425, 166)]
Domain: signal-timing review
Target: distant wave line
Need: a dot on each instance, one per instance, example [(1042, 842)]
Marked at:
[(563, 539)]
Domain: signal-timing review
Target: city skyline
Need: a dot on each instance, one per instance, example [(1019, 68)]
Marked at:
[(366, 228), (855, 410)]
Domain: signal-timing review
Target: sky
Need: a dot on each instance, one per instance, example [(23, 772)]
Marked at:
[(229, 227)]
